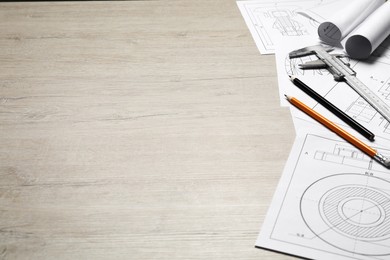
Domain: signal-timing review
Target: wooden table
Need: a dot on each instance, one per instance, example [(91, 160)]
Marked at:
[(136, 130)]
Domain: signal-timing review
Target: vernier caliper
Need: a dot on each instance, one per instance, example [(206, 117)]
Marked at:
[(341, 71)]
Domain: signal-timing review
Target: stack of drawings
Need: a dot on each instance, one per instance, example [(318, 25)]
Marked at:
[(332, 201)]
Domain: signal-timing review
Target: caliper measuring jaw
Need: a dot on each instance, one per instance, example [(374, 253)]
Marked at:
[(341, 71)]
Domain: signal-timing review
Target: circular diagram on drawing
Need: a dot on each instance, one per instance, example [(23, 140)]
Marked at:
[(350, 212)]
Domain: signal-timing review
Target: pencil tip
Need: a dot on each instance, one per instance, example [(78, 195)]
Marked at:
[(291, 77)]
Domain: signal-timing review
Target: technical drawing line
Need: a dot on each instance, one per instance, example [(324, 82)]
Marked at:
[(351, 225), (373, 153), (336, 225), (327, 211), (271, 21), (360, 217), (356, 213)]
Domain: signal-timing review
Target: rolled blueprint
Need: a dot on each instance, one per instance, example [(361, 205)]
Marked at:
[(346, 19), (369, 35)]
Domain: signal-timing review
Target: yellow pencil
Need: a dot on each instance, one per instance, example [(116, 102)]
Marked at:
[(339, 131)]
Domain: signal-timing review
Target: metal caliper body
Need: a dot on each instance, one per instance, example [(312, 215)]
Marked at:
[(341, 71)]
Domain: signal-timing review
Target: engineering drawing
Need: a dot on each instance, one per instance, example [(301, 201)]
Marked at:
[(332, 202), (350, 212)]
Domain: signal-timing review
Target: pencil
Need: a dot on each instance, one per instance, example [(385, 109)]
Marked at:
[(341, 132), (332, 108)]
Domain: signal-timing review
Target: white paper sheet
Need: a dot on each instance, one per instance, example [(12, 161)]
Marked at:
[(373, 74), (323, 11), (321, 80), (332, 202), (321, 165), (369, 34), (346, 19), (360, 26), (273, 21)]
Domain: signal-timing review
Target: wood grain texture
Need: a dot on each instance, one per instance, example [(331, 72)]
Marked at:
[(135, 130)]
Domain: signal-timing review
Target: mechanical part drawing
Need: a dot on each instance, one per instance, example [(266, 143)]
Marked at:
[(285, 23), (374, 75), (350, 212), (361, 110), (271, 21), (341, 71), (342, 154), (332, 202)]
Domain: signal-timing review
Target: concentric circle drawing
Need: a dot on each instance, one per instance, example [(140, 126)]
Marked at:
[(350, 212)]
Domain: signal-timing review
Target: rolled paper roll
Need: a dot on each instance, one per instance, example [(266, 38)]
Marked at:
[(346, 19), (370, 34)]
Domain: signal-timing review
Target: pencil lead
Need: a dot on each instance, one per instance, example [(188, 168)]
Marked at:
[(291, 77)]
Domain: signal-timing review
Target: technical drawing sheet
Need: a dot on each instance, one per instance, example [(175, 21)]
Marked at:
[(332, 202), (373, 73), (273, 21)]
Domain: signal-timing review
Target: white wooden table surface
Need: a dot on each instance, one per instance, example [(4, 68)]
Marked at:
[(136, 130)]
